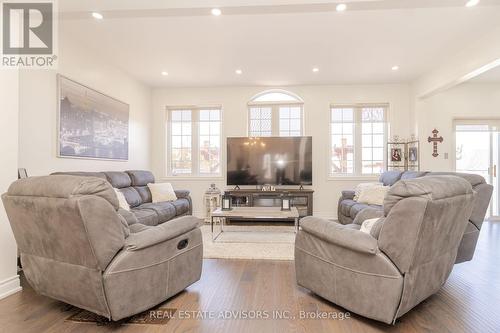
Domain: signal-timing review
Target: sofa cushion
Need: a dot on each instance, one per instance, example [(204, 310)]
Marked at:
[(121, 200), (430, 188), (413, 174), (128, 216), (389, 178), (355, 209), (145, 193), (181, 206), (146, 216), (132, 196), (165, 210), (118, 179), (140, 177), (360, 188), (373, 195), (367, 225), (81, 173), (473, 179), (64, 186), (162, 192)]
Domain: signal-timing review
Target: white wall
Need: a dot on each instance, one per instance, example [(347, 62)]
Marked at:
[(317, 100), (9, 112), (465, 101), (38, 111)]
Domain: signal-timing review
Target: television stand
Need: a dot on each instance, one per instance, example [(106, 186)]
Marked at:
[(302, 199)]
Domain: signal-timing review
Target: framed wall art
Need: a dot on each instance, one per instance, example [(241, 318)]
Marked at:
[(91, 124)]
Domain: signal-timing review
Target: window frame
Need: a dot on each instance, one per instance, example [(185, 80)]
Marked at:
[(357, 140), (195, 142), (275, 110)]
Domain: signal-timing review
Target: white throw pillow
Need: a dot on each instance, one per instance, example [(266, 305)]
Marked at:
[(162, 192), (373, 195), (362, 186), (368, 225), (121, 200)]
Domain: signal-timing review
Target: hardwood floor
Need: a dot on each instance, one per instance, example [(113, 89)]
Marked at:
[(469, 302)]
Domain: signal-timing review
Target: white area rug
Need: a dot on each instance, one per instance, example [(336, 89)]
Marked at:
[(249, 242)]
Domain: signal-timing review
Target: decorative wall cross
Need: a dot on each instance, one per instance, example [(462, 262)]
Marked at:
[(434, 139)]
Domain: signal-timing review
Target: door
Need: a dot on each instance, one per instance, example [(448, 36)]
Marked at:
[(477, 151)]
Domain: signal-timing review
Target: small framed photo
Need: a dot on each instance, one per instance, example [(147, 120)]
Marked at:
[(226, 203), (286, 204), (22, 173), (396, 155), (413, 154)]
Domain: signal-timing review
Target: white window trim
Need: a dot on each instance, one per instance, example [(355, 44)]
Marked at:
[(167, 166), (357, 175), (275, 106), (275, 116)]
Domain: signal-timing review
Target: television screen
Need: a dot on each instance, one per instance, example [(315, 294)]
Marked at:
[(269, 160)]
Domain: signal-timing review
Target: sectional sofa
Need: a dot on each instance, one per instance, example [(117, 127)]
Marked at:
[(349, 209), (133, 184)]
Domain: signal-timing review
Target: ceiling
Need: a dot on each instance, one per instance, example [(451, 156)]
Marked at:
[(276, 42), (491, 76)]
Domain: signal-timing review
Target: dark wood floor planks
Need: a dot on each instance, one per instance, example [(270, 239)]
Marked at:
[(469, 302)]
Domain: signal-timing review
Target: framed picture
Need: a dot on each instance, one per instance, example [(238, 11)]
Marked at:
[(396, 154), (22, 173), (91, 124), (413, 155)]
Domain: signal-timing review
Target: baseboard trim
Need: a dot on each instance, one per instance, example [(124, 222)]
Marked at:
[(10, 286)]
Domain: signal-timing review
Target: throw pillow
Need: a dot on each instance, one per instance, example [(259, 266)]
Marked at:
[(362, 186), (373, 195), (162, 192), (367, 226), (121, 200)]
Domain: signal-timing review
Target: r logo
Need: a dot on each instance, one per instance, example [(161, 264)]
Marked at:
[(27, 28)]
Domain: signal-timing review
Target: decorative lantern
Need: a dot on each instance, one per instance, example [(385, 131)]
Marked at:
[(226, 202), (286, 203)]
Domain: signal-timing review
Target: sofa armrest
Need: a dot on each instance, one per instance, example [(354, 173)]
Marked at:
[(348, 194), (161, 233), (368, 213), (340, 235), (182, 193)]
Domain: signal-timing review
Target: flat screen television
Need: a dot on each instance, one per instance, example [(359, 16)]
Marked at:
[(269, 160)]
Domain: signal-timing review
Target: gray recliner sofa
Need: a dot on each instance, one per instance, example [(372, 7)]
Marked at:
[(76, 248), (406, 257), (348, 209), (133, 184)]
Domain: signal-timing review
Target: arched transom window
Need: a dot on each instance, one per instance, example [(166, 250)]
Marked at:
[(275, 113)]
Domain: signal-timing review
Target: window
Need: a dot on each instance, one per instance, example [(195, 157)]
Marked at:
[(194, 141), (358, 139), (275, 113)]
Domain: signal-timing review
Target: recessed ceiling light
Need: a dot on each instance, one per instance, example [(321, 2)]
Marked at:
[(238, 71), (216, 11), (395, 68), (341, 7), (315, 69), (97, 16), (164, 73), (472, 3)]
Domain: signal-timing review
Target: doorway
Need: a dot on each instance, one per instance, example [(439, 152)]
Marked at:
[(477, 145)]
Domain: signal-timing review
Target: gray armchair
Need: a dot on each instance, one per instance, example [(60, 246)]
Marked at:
[(76, 248), (384, 274)]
